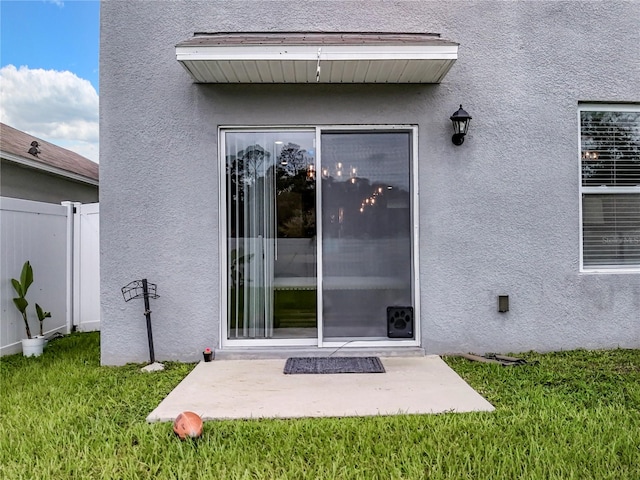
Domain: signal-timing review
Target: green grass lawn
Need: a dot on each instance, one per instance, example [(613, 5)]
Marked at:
[(573, 415)]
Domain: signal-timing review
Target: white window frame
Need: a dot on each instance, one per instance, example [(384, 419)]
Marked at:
[(601, 190), (225, 342)]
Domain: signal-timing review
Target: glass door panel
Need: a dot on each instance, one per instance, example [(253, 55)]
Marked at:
[(366, 231), (271, 234)]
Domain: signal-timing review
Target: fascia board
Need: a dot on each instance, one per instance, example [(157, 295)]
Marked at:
[(312, 52), (47, 168)]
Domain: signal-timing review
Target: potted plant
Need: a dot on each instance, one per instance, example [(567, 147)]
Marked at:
[(41, 316), (31, 346), (208, 354)]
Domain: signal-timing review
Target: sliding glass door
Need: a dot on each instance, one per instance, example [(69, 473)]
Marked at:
[(318, 233), (366, 231), (271, 234)]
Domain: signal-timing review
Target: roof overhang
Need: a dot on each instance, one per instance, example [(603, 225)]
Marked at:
[(317, 57)]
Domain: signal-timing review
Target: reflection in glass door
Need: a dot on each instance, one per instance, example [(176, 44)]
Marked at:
[(271, 234), (366, 231)]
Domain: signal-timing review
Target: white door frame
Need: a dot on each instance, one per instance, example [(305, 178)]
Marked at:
[(225, 342)]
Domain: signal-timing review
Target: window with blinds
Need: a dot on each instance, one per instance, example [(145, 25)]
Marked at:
[(610, 166)]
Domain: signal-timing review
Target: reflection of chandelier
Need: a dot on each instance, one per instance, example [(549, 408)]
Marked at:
[(371, 200), (338, 172), (311, 172), (589, 155)]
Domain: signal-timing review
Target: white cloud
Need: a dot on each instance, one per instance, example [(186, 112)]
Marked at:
[(58, 107)]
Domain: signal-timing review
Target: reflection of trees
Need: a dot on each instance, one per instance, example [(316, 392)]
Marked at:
[(245, 170), (296, 193), (292, 160), (251, 167), (610, 145)]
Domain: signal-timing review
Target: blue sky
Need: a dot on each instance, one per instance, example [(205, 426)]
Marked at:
[(49, 53)]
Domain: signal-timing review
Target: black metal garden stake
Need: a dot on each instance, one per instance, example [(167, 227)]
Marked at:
[(147, 313), (138, 289)]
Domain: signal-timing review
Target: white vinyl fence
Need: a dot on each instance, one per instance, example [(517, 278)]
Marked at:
[(86, 267), (62, 244)]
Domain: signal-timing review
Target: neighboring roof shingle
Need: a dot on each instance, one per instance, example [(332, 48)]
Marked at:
[(18, 143)]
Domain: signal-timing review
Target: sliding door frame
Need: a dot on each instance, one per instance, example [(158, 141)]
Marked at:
[(415, 290), (319, 342), (223, 246)]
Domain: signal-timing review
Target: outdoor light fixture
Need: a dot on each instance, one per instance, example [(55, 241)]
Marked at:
[(461, 120)]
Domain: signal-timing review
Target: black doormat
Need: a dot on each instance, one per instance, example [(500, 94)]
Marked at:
[(333, 365)]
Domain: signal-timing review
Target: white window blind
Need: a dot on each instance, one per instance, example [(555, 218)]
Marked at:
[(610, 166)]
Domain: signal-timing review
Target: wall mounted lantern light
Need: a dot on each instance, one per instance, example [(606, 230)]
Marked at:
[(461, 120)]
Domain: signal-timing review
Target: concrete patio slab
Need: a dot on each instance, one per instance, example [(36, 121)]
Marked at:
[(234, 389)]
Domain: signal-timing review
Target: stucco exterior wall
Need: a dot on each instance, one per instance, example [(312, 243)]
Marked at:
[(498, 215), (30, 184)]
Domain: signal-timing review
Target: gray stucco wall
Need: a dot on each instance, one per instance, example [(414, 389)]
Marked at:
[(30, 184), (498, 215)]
